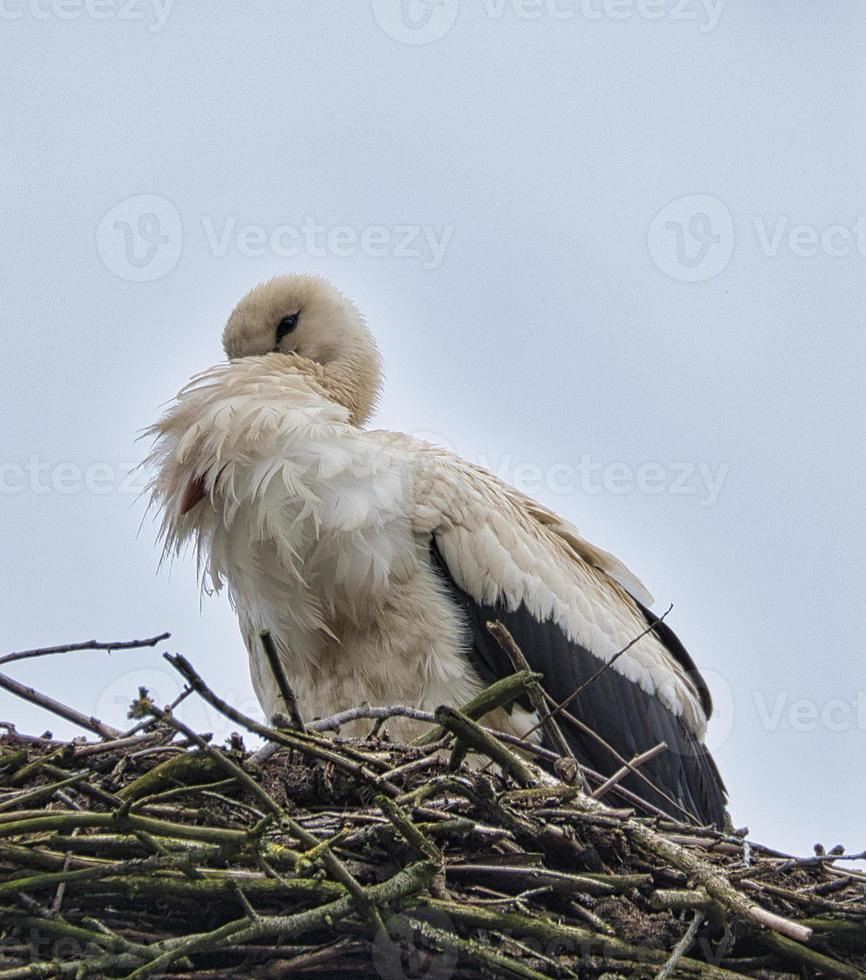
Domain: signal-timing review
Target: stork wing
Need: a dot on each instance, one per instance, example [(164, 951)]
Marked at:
[(502, 556)]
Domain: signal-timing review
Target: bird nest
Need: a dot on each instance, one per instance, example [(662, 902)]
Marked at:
[(153, 852)]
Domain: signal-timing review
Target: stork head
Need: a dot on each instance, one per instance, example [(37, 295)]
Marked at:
[(306, 317)]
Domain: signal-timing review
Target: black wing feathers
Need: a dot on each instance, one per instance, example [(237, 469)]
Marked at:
[(679, 653), (625, 716)]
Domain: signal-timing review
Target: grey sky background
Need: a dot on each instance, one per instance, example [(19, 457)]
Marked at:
[(648, 312)]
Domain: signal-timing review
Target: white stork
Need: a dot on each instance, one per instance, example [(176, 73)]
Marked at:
[(376, 560)]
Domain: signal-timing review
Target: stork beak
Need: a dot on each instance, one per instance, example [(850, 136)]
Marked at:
[(193, 493)]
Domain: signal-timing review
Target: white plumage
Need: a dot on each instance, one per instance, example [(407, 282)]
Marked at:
[(370, 556)]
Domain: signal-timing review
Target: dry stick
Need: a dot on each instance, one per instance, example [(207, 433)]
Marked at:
[(415, 765), (93, 873), (61, 888), (589, 916), (85, 938), (329, 859), (681, 948), (631, 766), (594, 677), (506, 641), (533, 749), (55, 707), (79, 781), (811, 959), (547, 931), (704, 874), (679, 899), (24, 797), (84, 787), (285, 689), (312, 737), (491, 962), (316, 957), (115, 745), (500, 693), (820, 859), (583, 727), (409, 831), (474, 736), (208, 884), (416, 839), (299, 743), (87, 645), (107, 965), (406, 882), (335, 722), (535, 877), (37, 821)]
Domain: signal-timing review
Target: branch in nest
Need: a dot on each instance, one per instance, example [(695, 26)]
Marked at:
[(87, 645)]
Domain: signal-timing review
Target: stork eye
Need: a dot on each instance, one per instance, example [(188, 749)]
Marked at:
[(287, 325)]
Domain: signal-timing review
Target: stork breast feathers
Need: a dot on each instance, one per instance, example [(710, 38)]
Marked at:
[(257, 438)]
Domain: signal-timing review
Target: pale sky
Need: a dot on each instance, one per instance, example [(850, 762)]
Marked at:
[(615, 249)]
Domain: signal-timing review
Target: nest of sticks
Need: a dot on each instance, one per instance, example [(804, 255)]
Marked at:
[(154, 852)]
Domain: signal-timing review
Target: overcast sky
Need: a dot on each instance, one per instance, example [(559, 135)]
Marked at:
[(614, 249)]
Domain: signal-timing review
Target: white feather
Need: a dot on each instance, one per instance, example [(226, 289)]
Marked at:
[(321, 532)]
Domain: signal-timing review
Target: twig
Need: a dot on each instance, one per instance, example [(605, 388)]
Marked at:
[(335, 722), (474, 737), (566, 884), (631, 766), (115, 745), (591, 733), (55, 707), (678, 900), (713, 882), (36, 821), (538, 750), (507, 643), (492, 963), (87, 645), (329, 859), (821, 859), (27, 797), (406, 882), (146, 724), (283, 686), (499, 694), (299, 742), (811, 959), (546, 931), (316, 957), (681, 948)]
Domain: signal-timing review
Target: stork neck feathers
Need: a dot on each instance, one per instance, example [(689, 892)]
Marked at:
[(352, 379)]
